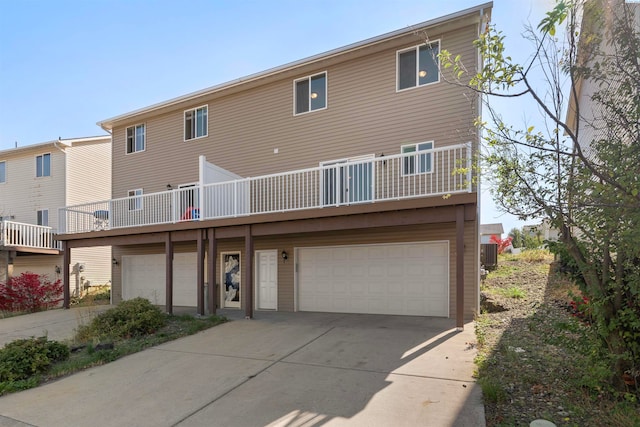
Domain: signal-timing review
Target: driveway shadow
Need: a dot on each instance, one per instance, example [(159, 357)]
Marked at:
[(358, 370)]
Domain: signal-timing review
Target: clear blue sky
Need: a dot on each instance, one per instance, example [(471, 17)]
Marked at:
[(66, 64)]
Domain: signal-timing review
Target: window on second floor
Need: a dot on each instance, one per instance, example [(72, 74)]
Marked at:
[(43, 165), (43, 217), (3, 172), (195, 123), (135, 202), (418, 66), (310, 93), (420, 162), (135, 138)]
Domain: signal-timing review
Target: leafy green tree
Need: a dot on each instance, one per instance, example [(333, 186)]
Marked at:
[(581, 170), (517, 237)]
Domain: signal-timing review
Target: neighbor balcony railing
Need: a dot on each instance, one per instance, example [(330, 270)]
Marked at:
[(27, 235), (435, 172)]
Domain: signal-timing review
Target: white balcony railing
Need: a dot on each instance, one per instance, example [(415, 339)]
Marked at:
[(27, 235), (435, 172)]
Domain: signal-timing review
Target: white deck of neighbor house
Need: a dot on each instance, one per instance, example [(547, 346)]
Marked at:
[(23, 237), (439, 172)]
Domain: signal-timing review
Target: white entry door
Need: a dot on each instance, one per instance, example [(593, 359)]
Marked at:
[(267, 280)]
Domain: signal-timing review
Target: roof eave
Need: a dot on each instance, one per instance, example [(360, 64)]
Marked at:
[(108, 124)]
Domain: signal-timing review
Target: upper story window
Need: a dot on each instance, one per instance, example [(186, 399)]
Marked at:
[(135, 138), (310, 93), (43, 217), (43, 165), (420, 162), (418, 65), (195, 123), (3, 172)]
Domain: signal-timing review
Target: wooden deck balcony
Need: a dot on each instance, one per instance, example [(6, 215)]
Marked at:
[(434, 173)]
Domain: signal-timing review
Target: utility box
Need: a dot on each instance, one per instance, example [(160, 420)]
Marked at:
[(489, 255)]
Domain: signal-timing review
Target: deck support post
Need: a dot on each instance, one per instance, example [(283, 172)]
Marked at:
[(211, 273), (66, 266), (460, 267), (168, 251), (248, 273), (200, 273)]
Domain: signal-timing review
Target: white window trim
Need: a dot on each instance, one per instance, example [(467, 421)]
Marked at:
[(398, 52), (326, 91), (5, 172), (42, 210), (135, 201), (417, 152), (184, 123), (126, 152), (50, 166)]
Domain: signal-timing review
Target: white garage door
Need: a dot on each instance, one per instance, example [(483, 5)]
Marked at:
[(405, 279), (144, 276)]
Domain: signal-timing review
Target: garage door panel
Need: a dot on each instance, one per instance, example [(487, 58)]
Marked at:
[(144, 276), (409, 279)]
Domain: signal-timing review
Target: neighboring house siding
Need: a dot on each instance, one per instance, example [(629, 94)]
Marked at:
[(89, 180), (79, 173), (39, 264), (364, 115), (286, 296), (23, 194), (88, 172)]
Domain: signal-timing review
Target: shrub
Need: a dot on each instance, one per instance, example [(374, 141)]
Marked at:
[(502, 243), (130, 318), (21, 359), (29, 292)]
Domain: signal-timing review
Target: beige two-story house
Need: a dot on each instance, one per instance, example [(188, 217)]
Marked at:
[(338, 183), (35, 181)]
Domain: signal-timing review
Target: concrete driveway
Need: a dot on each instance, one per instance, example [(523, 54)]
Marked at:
[(279, 369)]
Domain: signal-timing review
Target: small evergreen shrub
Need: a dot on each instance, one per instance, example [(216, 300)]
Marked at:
[(130, 318), (24, 358)]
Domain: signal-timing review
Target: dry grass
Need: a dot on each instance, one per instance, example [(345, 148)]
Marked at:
[(537, 361)]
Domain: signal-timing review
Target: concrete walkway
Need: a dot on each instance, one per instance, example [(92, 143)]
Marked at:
[(280, 369)]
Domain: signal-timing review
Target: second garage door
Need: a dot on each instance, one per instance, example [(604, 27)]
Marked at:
[(403, 279), (144, 276)]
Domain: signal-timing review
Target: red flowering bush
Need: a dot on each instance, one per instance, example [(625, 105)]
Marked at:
[(29, 292), (502, 243)]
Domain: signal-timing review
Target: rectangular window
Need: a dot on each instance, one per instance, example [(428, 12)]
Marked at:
[(43, 165), (3, 172), (310, 93), (195, 123), (43, 217), (418, 65), (135, 202), (135, 138), (420, 162)]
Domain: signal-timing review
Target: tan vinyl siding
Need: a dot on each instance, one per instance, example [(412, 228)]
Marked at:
[(365, 115), (286, 269), (23, 194)]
